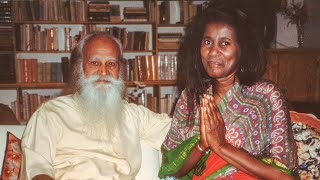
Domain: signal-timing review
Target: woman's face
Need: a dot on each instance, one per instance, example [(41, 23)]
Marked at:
[(220, 51)]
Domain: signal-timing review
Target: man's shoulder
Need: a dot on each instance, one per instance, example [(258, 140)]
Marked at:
[(129, 106), (131, 109), (59, 101)]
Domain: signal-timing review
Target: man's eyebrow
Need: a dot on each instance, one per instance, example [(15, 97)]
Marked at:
[(112, 58)]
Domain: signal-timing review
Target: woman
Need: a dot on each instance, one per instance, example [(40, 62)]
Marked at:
[(228, 124)]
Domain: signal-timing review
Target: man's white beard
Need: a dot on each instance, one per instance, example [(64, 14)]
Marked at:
[(101, 105)]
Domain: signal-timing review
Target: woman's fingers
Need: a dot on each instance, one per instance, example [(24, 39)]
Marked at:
[(215, 127), (203, 125)]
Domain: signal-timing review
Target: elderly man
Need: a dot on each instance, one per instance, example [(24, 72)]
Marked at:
[(91, 133)]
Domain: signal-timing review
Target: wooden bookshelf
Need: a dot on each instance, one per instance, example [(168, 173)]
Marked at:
[(79, 23)]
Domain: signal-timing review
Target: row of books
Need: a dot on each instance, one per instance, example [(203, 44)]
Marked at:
[(151, 67), (32, 71), (6, 29), (103, 11), (5, 12), (177, 12), (53, 10), (6, 43), (7, 70), (32, 37), (140, 68), (151, 102), (135, 14), (30, 103), (130, 40), (169, 41), (75, 10), (150, 5), (145, 99)]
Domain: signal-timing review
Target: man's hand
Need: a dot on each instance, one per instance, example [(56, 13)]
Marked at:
[(42, 177)]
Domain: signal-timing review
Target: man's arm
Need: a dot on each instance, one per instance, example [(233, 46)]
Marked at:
[(153, 127), (38, 145)]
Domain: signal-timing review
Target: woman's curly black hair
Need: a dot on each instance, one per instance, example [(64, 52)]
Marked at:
[(191, 74)]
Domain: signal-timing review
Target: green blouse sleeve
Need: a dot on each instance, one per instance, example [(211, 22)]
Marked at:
[(172, 160)]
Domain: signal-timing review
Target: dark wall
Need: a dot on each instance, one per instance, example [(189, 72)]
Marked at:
[(312, 28)]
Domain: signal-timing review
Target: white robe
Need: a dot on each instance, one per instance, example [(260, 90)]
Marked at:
[(54, 143)]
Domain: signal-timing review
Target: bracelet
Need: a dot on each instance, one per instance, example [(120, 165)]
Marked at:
[(197, 151), (202, 151)]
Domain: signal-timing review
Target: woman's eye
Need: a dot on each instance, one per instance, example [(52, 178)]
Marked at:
[(225, 43), (207, 42)]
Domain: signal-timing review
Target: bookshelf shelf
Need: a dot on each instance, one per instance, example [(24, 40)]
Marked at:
[(49, 85), (5, 52), (32, 52), (59, 52), (152, 83), (167, 50), (119, 23), (139, 51), (56, 85), (172, 25), (51, 22)]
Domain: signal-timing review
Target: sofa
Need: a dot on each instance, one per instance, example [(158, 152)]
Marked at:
[(306, 129)]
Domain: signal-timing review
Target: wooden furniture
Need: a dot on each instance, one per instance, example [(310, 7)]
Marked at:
[(297, 71)]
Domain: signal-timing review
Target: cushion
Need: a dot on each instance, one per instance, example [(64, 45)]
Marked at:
[(150, 164), (306, 129), (12, 158), (17, 130)]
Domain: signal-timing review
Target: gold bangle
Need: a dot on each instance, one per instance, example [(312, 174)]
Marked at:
[(200, 149)]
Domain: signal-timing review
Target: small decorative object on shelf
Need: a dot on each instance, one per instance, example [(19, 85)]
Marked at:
[(297, 14)]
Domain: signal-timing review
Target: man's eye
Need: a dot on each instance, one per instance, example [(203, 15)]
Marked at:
[(111, 64), (93, 62)]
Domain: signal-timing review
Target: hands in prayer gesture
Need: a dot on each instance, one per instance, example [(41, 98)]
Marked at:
[(212, 126)]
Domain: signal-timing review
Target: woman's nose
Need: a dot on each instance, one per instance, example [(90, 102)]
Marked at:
[(214, 50)]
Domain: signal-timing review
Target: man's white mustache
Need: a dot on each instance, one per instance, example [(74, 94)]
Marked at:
[(101, 78), (107, 79)]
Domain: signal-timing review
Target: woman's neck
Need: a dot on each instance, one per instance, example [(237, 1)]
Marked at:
[(223, 85)]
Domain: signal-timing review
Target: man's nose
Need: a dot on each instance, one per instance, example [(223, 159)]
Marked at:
[(103, 71)]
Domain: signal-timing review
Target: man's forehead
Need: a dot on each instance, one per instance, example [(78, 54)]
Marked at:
[(101, 57)]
